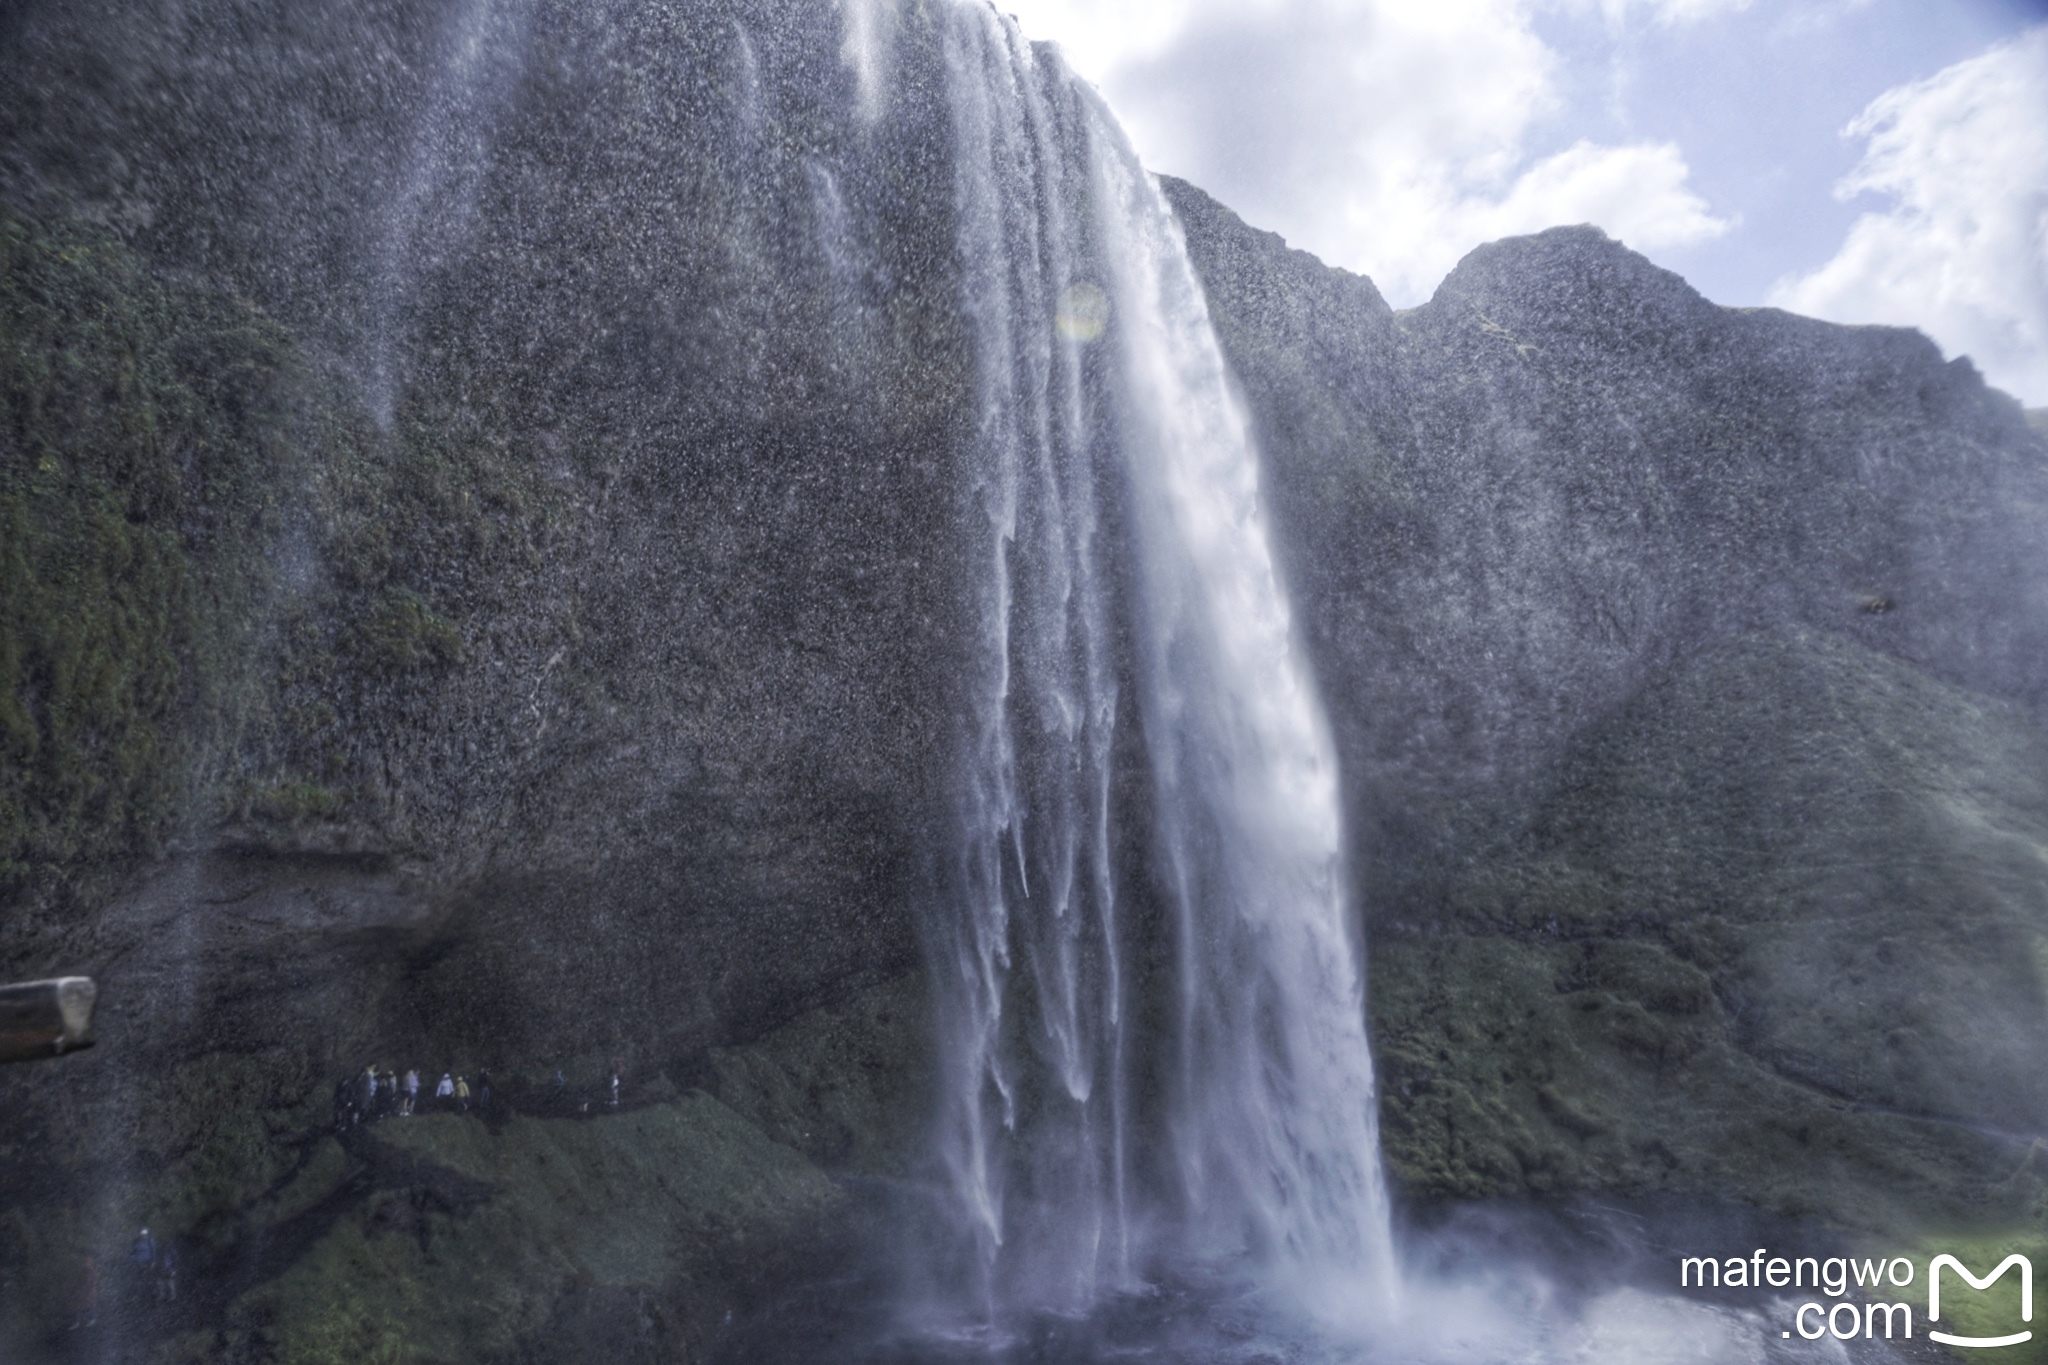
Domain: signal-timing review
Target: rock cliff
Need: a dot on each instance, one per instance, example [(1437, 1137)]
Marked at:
[(1687, 666), (478, 589), (476, 499)]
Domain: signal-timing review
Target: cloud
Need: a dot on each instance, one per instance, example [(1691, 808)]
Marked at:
[(1387, 136), (1673, 11), (1098, 38), (1638, 192), (1962, 249)]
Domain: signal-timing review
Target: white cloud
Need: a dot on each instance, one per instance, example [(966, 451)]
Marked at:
[(1638, 192), (1962, 250), (1388, 136), (1673, 11), (1098, 38)]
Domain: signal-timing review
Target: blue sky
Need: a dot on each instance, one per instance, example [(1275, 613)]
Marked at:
[(1864, 160)]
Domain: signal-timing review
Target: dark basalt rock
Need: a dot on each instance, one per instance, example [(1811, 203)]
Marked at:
[(477, 595)]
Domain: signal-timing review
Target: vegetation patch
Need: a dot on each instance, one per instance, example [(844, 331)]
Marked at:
[(1776, 935), (1993, 1312), (143, 440), (473, 1236)]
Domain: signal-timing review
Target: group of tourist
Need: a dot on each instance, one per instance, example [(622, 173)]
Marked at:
[(378, 1093)]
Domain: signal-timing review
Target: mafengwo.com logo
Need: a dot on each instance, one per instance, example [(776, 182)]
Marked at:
[(1872, 1297)]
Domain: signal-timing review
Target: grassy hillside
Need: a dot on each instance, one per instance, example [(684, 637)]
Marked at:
[(1778, 933)]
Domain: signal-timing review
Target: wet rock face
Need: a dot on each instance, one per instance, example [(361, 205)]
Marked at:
[(584, 566), (476, 482), (1687, 670), (1776, 933), (1512, 508)]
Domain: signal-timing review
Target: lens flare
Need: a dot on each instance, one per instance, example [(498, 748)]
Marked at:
[(1083, 313)]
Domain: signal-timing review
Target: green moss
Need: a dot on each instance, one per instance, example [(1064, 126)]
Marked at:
[(141, 429), (473, 1236), (295, 802), (359, 1295), (843, 1084), (242, 1120), (163, 449), (1776, 935), (400, 633), (1994, 1311)]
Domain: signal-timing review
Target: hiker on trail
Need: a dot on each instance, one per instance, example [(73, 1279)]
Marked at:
[(445, 1091), (462, 1093), (387, 1093), (142, 1255), (87, 1303), (412, 1091), (367, 1104), (167, 1273), (483, 1090), (618, 1079)]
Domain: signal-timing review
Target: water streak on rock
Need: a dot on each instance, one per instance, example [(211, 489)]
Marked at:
[(431, 210)]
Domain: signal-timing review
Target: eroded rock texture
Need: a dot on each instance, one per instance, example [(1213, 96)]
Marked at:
[(476, 484), (1687, 666)]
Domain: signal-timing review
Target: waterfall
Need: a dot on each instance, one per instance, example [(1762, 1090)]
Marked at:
[(868, 25), (1220, 1105), (1035, 1131), (433, 205)]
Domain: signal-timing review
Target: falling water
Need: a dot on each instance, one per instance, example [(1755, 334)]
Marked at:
[(432, 209), (746, 83), (1104, 403), (868, 26), (838, 245), (1035, 1135)]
